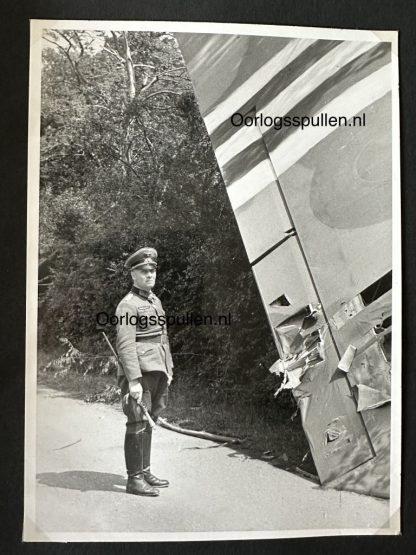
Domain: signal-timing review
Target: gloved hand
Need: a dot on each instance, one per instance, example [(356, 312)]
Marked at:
[(136, 390)]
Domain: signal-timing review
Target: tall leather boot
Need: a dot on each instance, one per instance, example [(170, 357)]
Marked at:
[(150, 478), (133, 452)]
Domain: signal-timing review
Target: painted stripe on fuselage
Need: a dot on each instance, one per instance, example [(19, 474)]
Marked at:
[(352, 62), (348, 104), (285, 67)]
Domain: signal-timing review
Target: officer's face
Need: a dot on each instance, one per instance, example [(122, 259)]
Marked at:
[(144, 277)]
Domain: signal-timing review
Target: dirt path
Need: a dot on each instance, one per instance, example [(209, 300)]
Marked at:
[(81, 480)]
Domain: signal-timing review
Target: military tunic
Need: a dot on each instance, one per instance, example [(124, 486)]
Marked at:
[(143, 350), (142, 341)]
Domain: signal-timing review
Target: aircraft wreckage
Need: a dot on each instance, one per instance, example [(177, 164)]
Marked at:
[(313, 206)]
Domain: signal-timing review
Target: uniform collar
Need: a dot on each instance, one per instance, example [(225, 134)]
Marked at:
[(142, 293)]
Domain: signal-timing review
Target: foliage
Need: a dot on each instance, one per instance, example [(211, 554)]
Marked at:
[(126, 162)]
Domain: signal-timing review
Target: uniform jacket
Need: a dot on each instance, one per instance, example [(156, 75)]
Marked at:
[(142, 341)]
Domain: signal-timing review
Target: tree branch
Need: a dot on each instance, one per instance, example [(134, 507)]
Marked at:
[(115, 37), (146, 87), (144, 65), (80, 43), (170, 71), (78, 75), (174, 79), (65, 38), (163, 92), (203, 435), (120, 159), (114, 53), (149, 144)]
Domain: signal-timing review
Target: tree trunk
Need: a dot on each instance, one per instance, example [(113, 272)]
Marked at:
[(131, 79)]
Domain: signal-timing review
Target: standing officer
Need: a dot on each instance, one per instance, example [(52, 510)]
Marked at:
[(145, 368)]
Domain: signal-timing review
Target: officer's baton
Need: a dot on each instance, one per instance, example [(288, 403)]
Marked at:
[(141, 405)]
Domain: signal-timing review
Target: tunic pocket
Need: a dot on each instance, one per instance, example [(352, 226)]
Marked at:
[(143, 350), (149, 357)]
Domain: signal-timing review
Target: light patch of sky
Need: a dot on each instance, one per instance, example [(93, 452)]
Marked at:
[(92, 41)]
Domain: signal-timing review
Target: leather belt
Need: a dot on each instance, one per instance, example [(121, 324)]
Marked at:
[(155, 339)]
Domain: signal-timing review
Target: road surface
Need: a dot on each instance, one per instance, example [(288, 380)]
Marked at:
[(80, 479)]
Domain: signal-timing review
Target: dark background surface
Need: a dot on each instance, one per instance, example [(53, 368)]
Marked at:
[(14, 36)]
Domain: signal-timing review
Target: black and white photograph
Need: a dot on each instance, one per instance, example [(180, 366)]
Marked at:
[(213, 334)]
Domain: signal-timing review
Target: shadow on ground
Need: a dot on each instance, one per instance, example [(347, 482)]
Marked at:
[(83, 480)]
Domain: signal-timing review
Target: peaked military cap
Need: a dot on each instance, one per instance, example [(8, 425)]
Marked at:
[(143, 256)]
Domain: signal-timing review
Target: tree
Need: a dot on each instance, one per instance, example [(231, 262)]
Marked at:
[(126, 161)]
